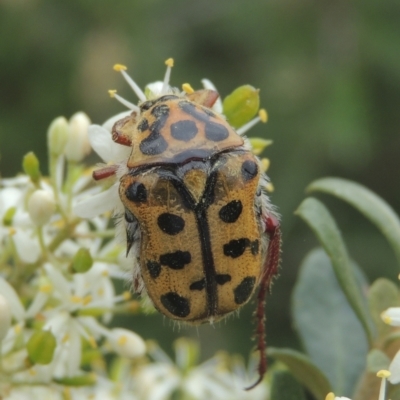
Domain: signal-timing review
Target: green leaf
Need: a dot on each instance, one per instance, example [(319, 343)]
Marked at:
[(41, 346), (382, 295), (377, 360), (285, 387), (241, 105), (367, 202), (303, 370), (317, 216), (330, 331)]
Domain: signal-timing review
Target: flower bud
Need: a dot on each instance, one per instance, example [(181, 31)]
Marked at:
[(57, 135), (127, 343), (241, 105), (41, 346), (78, 145), (30, 164), (9, 216), (5, 317), (79, 380), (258, 145), (82, 261), (41, 206)]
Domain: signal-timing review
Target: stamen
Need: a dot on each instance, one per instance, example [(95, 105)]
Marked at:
[(169, 63), (262, 116), (187, 88), (126, 103), (139, 93), (384, 374)]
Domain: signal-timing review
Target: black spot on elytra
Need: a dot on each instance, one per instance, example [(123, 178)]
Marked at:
[(235, 248), (143, 125), (216, 132), (255, 247), (243, 291), (191, 109), (170, 224), (160, 111), (249, 170), (176, 260), (154, 143), (154, 268), (184, 130), (175, 304), (136, 192), (198, 285), (230, 212), (221, 279)]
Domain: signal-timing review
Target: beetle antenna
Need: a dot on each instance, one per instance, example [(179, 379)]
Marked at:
[(270, 271)]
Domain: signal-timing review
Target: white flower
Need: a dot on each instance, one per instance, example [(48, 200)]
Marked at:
[(5, 317), (126, 343), (383, 374), (391, 316), (41, 206), (77, 146)]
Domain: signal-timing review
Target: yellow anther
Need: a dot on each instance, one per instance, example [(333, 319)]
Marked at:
[(383, 373), (330, 396), (112, 93), (32, 372), (386, 319), (46, 288), (100, 292), (87, 299), (92, 342), (187, 88), (119, 67), (12, 231), (263, 115), (76, 299), (169, 62), (126, 295), (65, 338), (270, 187), (105, 273), (17, 329), (122, 340), (265, 163)]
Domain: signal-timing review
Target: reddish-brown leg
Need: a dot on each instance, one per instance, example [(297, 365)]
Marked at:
[(269, 272), (205, 97), (105, 172)]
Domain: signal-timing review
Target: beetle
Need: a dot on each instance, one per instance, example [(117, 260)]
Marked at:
[(197, 216)]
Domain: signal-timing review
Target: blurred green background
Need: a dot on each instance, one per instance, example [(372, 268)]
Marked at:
[(329, 74)]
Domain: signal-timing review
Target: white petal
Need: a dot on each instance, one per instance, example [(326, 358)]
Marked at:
[(394, 369), (27, 247), (392, 316), (17, 309), (5, 317), (98, 204), (9, 197), (37, 304), (61, 285), (127, 343), (102, 143)]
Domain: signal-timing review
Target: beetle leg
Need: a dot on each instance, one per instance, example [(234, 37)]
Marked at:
[(104, 172), (204, 97), (270, 270)]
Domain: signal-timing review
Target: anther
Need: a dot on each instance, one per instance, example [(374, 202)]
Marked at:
[(187, 88), (169, 63)]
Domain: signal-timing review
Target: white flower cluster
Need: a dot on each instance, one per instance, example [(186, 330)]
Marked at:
[(59, 260)]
